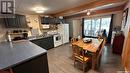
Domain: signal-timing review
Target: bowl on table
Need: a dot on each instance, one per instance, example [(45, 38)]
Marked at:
[(87, 40)]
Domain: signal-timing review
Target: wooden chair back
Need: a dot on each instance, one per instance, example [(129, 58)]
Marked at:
[(80, 56), (73, 40), (79, 52), (102, 46)]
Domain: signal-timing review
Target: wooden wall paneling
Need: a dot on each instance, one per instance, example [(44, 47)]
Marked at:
[(103, 11), (88, 6), (126, 56)]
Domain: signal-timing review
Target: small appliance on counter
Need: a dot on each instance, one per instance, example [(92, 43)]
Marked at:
[(14, 35)]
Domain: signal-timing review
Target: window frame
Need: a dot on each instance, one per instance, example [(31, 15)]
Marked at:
[(100, 25)]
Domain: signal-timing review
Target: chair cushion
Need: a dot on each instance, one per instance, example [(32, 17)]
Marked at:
[(81, 58)]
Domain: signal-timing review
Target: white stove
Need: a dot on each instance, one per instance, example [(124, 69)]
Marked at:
[(57, 40)]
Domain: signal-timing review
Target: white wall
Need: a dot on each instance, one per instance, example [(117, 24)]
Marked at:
[(70, 27), (77, 28), (117, 19)]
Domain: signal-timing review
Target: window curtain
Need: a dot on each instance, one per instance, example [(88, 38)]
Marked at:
[(83, 27), (110, 30)]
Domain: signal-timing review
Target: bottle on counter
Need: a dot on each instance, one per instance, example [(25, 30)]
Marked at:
[(9, 38)]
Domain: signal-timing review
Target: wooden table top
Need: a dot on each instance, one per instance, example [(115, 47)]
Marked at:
[(92, 47)]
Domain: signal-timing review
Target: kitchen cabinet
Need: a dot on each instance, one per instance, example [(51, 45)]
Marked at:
[(21, 21), (45, 42), (2, 22), (36, 65), (47, 20), (51, 20), (10, 23), (118, 43), (18, 21)]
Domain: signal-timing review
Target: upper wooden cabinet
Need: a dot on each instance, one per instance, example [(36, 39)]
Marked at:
[(51, 20), (18, 21)]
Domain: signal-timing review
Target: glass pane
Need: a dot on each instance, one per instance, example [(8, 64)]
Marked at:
[(105, 24), (87, 27), (95, 27)]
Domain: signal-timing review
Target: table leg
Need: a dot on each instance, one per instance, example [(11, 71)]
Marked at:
[(93, 61)]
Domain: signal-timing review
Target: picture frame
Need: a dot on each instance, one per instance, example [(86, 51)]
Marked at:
[(125, 16)]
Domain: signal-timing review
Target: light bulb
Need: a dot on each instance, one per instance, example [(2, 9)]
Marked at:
[(39, 11), (88, 13)]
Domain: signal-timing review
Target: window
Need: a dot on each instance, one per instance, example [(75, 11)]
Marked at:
[(105, 24), (94, 27)]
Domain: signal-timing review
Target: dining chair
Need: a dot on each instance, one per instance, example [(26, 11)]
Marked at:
[(79, 56), (99, 53), (73, 40), (73, 47)]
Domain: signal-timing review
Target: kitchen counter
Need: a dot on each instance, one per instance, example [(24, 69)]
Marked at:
[(46, 42), (39, 37), (12, 54)]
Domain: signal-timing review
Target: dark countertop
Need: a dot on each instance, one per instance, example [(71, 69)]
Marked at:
[(18, 52), (39, 37)]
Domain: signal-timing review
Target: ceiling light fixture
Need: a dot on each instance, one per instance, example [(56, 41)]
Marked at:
[(39, 9), (88, 12)]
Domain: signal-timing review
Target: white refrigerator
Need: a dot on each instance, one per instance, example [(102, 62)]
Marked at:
[(63, 30)]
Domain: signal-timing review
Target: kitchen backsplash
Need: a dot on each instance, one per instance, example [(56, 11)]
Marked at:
[(2, 33)]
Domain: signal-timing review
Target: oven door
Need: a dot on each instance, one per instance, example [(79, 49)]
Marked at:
[(57, 40)]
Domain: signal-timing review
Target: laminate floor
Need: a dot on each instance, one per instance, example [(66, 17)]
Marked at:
[(59, 60)]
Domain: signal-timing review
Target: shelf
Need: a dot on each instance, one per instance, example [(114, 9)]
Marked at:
[(17, 33)]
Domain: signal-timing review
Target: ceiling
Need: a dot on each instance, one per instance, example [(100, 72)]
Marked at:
[(103, 7), (52, 6)]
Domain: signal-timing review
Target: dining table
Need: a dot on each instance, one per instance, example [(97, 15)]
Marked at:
[(92, 47)]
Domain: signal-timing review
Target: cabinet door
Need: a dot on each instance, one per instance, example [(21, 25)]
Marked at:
[(19, 21), (2, 23), (35, 65), (10, 23), (23, 22)]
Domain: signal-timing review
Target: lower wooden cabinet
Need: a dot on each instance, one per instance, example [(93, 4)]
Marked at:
[(118, 44)]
